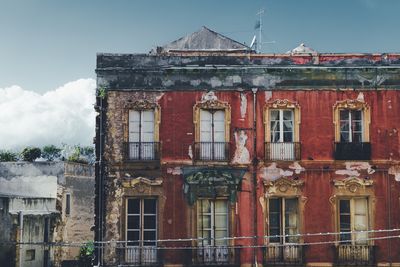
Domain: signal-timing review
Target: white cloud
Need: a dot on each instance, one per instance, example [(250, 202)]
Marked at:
[(64, 115)]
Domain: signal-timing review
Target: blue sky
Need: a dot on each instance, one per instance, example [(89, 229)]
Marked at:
[(45, 44)]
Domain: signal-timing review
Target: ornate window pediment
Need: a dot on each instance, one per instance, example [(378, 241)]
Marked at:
[(141, 185), (352, 184), (142, 104), (283, 186)]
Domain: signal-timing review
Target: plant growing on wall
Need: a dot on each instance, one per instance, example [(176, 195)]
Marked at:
[(86, 254), (6, 155), (51, 152), (31, 153)]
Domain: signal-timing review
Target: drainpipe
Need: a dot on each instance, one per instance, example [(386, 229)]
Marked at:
[(255, 163), (21, 232)]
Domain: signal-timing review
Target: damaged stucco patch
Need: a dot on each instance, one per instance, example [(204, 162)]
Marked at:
[(296, 167), (267, 95), (242, 155), (355, 169), (395, 170), (174, 171), (243, 105), (272, 172)]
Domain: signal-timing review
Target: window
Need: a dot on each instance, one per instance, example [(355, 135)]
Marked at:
[(282, 119), (211, 119), (67, 204), (351, 119), (212, 228), (353, 216), (212, 135), (283, 220), (30, 255), (142, 145), (351, 128), (141, 230), (281, 125)]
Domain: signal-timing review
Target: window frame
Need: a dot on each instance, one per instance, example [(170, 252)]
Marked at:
[(282, 104), (141, 221), (142, 105), (350, 105), (353, 240)]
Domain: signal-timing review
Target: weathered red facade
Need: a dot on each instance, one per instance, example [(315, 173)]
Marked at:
[(175, 86)]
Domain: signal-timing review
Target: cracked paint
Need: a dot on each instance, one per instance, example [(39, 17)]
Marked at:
[(243, 105), (272, 172), (355, 169), (395, 170)]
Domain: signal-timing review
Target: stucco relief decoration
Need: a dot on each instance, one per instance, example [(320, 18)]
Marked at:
[(283, 186), (210, 96), (352, 104), (242, 155), (141, 184), (282, 103), (352, 184), (142, 104), (243, 105), (395, 170)]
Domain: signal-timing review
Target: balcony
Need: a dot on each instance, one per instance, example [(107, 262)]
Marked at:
[(355, 255), (352, 151), (139, 256), (283, 255), (142, 151), (211, 151), (282, 151), (215, 255)]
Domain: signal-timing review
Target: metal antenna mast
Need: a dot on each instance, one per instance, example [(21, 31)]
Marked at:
[(259, 43)]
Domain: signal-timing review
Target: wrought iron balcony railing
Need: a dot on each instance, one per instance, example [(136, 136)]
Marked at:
[(355, 255), (211, 151), (282, 151), (283, 255), (215, 255), (352, 151), (142, 151), (139, 255)]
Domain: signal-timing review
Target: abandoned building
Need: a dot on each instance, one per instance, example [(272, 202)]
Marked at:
[(41, 204), (211, 154)]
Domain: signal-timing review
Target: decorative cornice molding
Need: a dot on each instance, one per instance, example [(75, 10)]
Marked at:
[(212, 104)]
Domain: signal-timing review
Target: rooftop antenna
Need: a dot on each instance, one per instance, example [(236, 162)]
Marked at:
[(258, 26)]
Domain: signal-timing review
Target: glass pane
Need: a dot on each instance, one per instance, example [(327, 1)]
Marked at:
[(219, 136), (149, 222), (288, 137), (274, 115), (274, 232), (219, 116), (205, 222), (134, 116), (205, 206), (205, 115), (356, 115), (344, 126), (357, 126), (345, 223), (287, 115), (275, 137), (360, 223), (291, 205), (206, 236), (344, 114), (150, 206), (344, 137), (134, 136), (133, 236), (357, 137), (221, 221), (148, 116), (133, 206), (221, 206), (345, 206), (219, 234), (133, 222), (360, 206), (149, 235), (274, 205), (287, 126)]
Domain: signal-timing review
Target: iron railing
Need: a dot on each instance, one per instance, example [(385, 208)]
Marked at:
[(282, 151), (355, 255), (352, 151), (139, 256), (142, 151), (215, 255), (283, 255), (211, 151)]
